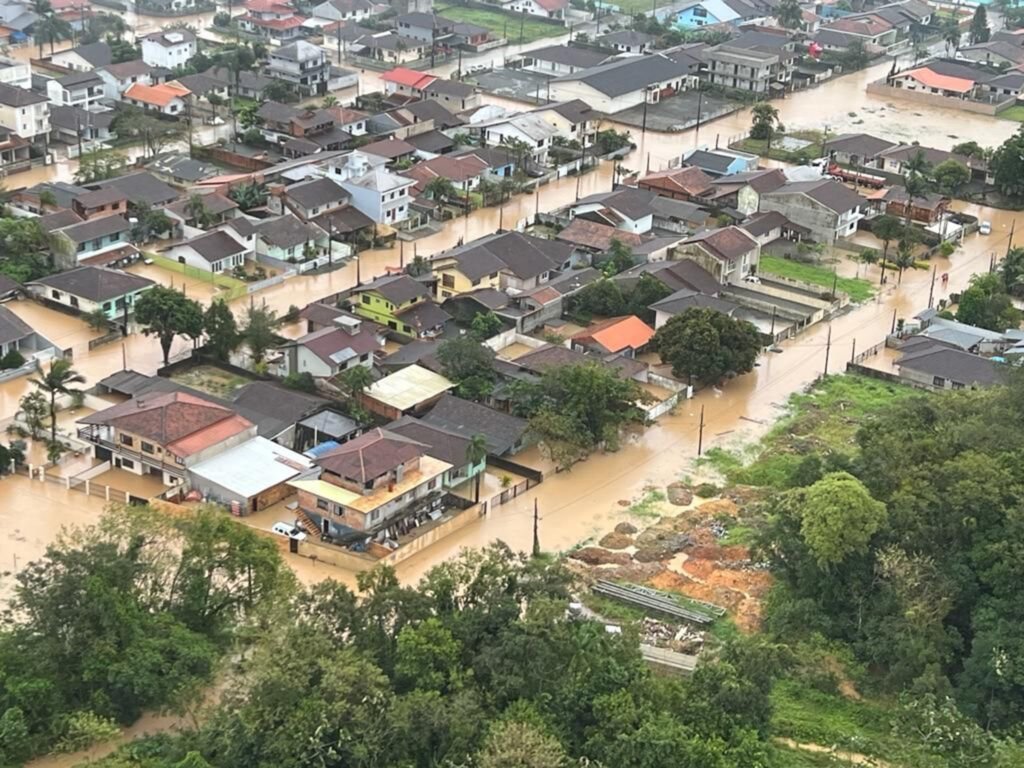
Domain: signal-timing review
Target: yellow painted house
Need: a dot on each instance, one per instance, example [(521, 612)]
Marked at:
[(402, 304), (462, 271)]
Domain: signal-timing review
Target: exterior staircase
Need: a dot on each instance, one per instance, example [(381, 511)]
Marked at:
[(305, 522)]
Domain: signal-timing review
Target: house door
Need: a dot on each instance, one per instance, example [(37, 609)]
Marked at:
[(325, 526)]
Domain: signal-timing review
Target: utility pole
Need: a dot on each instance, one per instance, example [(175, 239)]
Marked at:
[(536, 202), (931, 289), (700, 433), (536, 530), (700, 104), (835, 282), (401, 254), (459, 70), (772, 331), (828, 347), (1009, 243), (522, 24), (853, 351), (893, 329)]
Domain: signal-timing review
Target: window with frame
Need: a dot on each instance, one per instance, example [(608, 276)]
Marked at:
[(127, 440), (148, 447), (322, 504), (447, 281)]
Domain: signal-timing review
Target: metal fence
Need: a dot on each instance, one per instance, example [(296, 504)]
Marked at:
[(512, 492), (88, 487)]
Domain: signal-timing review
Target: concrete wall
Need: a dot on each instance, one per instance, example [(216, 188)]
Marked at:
[(803, 210), (880, 88)]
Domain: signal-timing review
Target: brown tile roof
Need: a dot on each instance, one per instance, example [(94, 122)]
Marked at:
[(728, 243), (370, 455), (690, 180), (595, 236)]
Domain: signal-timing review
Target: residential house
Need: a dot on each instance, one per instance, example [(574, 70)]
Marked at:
[(940, 366), (272, 19), (827, 208), (346, 10), (757, 61), (71, 123), (471, 36), (391, 48), (595, 238), (251, 476), (248, 85), (216, 209), (626, 336), (117, 78), (15, 334), (401, 304), (24, 113), (179, 168), (391, 150), (874, 32), (720, 162), (628, 41), (383, 196), (350, 342), (99, 202), (685, 183), (927, 208), (84, 58), (556, 60), (895, 159), (442, 444), (282, 122), (525, 130), (303, 65), (548, 9), (427, 27), (15, 154), (313, 197), (430, 144), (411, 390), (79, 89), (677, 215), (706, 13), (289, 240), (996, 53), (463, 171), (505, 434), (86, 289), (573, 120), (163, 434), (170, 99), (347, 225), (507, 261), (215, 251), (406, 82), (352, 121), (15, 72), (72, 245), (626, 83), (142, 187), (957, 81), (454, 95), (770, 226), (371, 487), (742, 191), (684, 274), (627, 208), (168, 48), (856, 148), (729, 254)]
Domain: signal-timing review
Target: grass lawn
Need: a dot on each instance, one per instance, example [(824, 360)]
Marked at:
[(858, 289), (760, 146), (214, 381), (502, 24), (1015, 113)]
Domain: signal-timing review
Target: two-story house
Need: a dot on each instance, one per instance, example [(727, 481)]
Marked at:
[(274, 19), (326, 352), (756, 61), (118, 78), (527, 129), (382, 195), (304, 65), (94, 203), (79, 89), (729, 254), (400, 303), (168, 48), (573, 120), (282, 122), (81, 241), (428, 27), (84, 58), (828, 209), (24, 113), (370, 483), (313, 197), (163, 434), (85, 289)]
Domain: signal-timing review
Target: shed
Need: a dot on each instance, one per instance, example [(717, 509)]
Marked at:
[(254, 474), (411, 390)]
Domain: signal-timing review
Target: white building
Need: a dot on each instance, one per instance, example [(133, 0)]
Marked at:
[(165, 98), (16, 73), (169, 49), (381, 195), (118, 78), (79, 89), (346, 10), (549, 9), (530, 129), (215, 251), (626, 83), (303, 65), (23, 112), (84, 58)]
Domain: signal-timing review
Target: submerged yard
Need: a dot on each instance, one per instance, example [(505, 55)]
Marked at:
[(857, 288)]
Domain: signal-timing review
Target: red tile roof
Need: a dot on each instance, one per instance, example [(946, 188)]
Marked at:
[(370, 455), (932, 79), (410, 78), (157, 95), (690, 180)]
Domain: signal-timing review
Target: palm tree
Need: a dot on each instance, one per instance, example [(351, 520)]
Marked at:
[(196, 210), (57, 381), (904, 257), (53, 29), (763, 120), (440, 189), (476, 452), (951, 34), (330, 100)]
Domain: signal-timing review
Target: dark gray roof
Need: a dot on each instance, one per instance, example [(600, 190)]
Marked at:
[(443, 444), (632, 74), (679, 210), (288, 231), (101, 226), (863, 144), (142, 187), (707, 160), (12, 327), (634, 202), (58, 219), (215, 246), (201, 84), (343, 220), (676, 275), (684, 299), (96, 283), (8, 286), (97, 54), (99, 197), (463, 417), (273, 408), (183, 168), (424, 315), (247, 80), (575, 111), (446, 87), (955, 365), (833, 195), (420, 352), (568, 55), (126, 69), (397, 289), (77, 79), (428, 109), (317, 192), (431, 141), (71, 118), (12, 96), (424, 20), (523, 255), (626, 37)]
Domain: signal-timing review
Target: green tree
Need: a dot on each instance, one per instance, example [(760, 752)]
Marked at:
[(469, 365), (476, 453), (24, 249), (427, 657), (764, 120), (951, 33), (97, 319), (51, 29), (986, 304), (950, 175), (855, 56), (886, 228), (99, 165), (441, 189), (707, 345), (222, 336), (838, 517), (602, 297), (512, 744), (166, 313), (979, 31), (155, 134), (618, 258), (970, 149), (260, 331), (904, 257), (485, 325), (33, 409), (354, 381), (58, 381), (197, 211), (249, 196), (1011, 271), (278, 90), (789, 14), (15, 741), (1007, 165)]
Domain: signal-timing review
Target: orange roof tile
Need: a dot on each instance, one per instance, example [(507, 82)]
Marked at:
[(157, 95), (933, 79), (410, 78), (618, 333), (211, 435)]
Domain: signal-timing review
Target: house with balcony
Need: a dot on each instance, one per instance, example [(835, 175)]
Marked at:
[(23, 113), (527, 130), (382, 195), (313, 197), (168, 48), (303, 65), (828, 209), (163, 434), (401, 304), (427, 27), (756, 61), (70, 123), (15, 153), (275, 20), (79, 89), (370, 488), (73, 244), (728, 253), (85, 289)]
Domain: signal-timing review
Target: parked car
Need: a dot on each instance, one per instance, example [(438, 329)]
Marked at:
[(289, 530), (985, 228), (752, 279)]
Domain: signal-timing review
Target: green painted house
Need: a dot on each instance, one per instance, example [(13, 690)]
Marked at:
[(89, 288), (443, 444), (402, 304)]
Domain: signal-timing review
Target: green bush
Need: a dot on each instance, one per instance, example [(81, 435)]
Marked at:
[(13, 359)]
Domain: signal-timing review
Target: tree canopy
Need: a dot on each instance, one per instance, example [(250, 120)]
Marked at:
[(707, 345), (469, 365), (987, 304), (1007, 165), (166, 313)]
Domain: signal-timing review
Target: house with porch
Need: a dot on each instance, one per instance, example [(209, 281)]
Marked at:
[(729, 253), (215, 251), (348, 342), (380, 194), (400, 303), (86, 289)]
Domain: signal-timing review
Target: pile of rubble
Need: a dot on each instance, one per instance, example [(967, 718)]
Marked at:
[(678, 638)]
